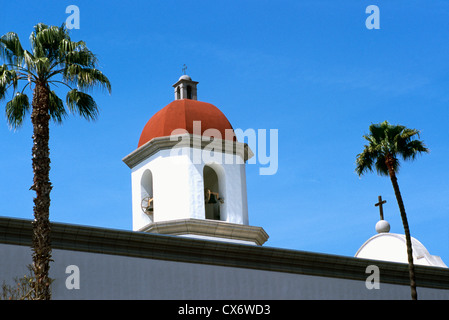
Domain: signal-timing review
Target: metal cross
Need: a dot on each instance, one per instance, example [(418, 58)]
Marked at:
[(379, 204), (184, 68)]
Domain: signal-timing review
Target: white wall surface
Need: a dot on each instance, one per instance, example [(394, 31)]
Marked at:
[(178, 188)]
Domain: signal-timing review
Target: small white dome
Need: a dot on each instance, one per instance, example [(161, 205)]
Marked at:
[(185, 77), (392, 247)]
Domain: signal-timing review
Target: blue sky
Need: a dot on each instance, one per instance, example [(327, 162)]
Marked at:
[(310, 69)]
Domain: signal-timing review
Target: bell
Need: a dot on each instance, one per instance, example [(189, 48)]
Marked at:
[(150, 206), (212, 198)]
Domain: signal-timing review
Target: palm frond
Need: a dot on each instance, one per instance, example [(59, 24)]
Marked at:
[(3, 90), (42, 66), (412, 149), (83, 58), (71, 52), (86, 78), (29, 60), (83, 104), (364, 163), (381, 166), (7, 77), (10, 48), (56, 107), (16, 109), (45, 40)]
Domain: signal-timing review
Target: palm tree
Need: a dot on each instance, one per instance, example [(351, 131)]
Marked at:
[(54, 59), (386, 143)]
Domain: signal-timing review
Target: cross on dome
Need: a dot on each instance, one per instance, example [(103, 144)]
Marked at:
[(380, 205), (382, 226)]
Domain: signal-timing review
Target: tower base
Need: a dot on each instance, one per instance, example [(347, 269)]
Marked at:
[(209, 229)]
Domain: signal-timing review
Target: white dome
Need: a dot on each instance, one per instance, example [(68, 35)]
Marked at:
[(184, 77), (392, 247)]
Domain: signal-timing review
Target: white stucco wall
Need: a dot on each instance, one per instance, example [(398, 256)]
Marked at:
[(178, 188)]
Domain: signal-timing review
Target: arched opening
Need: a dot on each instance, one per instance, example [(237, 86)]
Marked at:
[(146, 194), (213, 199), (178, 93), (189, 92)]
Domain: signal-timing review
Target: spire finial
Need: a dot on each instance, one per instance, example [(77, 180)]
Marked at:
[(184, 68), (379, 204), (382, 226)]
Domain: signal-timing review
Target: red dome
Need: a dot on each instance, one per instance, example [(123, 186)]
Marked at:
[(180, 114)]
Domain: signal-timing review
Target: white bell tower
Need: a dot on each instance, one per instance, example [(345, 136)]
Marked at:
[(188, 173)]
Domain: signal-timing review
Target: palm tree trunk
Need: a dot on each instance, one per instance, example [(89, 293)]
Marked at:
[(42, 187), (408, 240)]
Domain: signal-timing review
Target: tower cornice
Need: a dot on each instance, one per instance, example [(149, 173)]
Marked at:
[(187, 140)]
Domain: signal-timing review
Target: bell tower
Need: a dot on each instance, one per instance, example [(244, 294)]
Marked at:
[(188, 173), (185, 88)]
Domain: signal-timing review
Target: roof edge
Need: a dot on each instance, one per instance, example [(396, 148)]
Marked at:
[(181, 249)]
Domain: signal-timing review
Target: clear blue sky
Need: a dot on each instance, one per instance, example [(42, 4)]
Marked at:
[(310, 69)]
